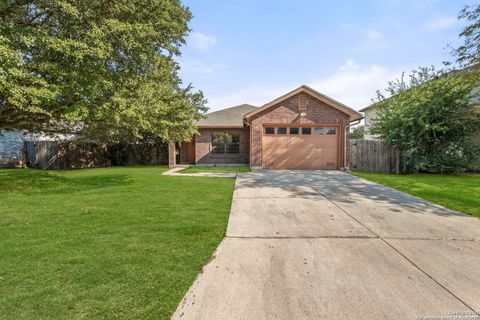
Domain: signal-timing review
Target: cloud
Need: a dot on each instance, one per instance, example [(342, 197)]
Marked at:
[(441, 23), (352, 84), (202, 41), (355, 85), (349, 64), (374, 35), (370, 40), (255, 94), (200, 67)]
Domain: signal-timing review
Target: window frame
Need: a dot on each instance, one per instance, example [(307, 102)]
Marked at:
[(328, 131), (224, 145), (306, 134), (273, 129), (294, 128)]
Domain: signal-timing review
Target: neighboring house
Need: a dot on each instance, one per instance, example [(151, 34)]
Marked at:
[(303, 129), (370, 114), (12, 145), (11, 148)]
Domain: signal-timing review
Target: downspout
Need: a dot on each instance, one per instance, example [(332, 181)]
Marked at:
[(245, 122), (347, 127)]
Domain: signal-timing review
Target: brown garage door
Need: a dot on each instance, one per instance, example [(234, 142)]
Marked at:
[(300, 147)]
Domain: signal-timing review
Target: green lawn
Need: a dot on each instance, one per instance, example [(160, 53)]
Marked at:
[(112, 243), (460, 193), (219, 169)]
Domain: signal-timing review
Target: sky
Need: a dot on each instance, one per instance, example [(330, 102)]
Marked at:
[(253, 51)]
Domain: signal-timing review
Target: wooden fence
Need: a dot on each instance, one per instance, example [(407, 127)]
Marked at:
[(375, 156), (70, 155)]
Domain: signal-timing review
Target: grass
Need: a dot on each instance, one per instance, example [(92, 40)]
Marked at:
[(460, 193), (109, 243), (219, 169)]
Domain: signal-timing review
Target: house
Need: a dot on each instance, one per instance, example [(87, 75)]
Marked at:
[(12, 145), (370, 114), (302, 129)]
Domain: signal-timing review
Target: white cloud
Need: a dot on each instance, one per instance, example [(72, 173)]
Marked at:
[(374, 35), (350, 64), (441, 23), (255, 94), (202, 41), (370, 40), (355, 85), (200, 67), (352, 84)]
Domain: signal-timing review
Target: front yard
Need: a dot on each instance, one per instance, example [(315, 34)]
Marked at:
[(460, 193), (112, 243)]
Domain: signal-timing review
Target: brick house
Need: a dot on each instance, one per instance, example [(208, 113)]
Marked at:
[(302, 129)]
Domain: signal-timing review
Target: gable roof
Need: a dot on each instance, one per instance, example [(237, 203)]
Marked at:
[(354, 115), (230, 117), (372, 106)]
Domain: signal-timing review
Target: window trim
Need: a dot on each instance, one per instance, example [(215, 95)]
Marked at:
[(331, 134), (306, 134), (312, 126), (294, 128), (269, 134), (225, 143)]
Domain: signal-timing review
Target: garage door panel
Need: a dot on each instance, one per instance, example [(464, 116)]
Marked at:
[(300, 151)]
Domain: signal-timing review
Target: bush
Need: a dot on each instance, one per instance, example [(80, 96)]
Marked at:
[(357, 132), (431, 119)]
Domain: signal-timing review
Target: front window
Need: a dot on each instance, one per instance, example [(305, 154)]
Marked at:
[(293, 130), (225, 142), (282, 131)]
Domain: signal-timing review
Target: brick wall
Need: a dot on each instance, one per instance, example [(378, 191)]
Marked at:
[(288, 112), (203, 148)]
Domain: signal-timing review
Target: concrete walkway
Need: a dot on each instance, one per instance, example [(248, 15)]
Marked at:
[(328, 245), (176, 172)]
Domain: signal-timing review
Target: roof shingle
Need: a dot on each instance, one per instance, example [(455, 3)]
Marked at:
[(230, 117)]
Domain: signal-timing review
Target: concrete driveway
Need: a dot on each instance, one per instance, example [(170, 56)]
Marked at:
[(328, 245)]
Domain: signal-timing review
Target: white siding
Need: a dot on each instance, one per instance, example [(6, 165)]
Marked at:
[(370, 115)]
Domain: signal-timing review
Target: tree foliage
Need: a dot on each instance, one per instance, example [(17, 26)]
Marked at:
[(107, 65), (468, 54), (357, 132), (431, 118)]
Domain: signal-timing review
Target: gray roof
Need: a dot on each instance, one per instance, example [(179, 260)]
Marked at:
[(227, 117)]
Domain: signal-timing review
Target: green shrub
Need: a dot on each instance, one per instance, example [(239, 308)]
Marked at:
[(431, 118)]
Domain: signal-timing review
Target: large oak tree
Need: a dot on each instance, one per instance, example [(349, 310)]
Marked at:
[(106, 66)]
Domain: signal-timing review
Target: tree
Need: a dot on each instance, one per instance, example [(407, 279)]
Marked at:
[(107, 65), (357, 132), (431, 118), (468, 54)]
